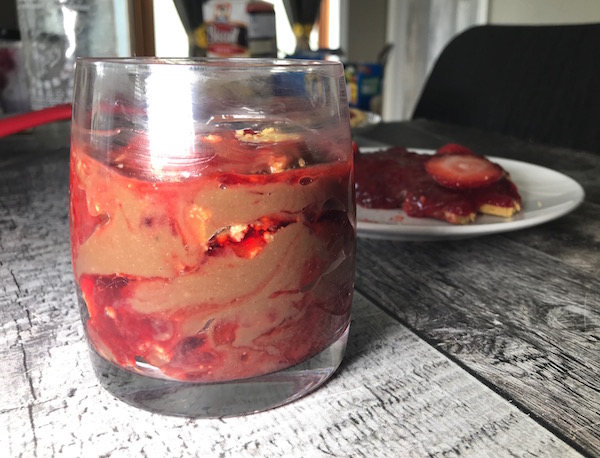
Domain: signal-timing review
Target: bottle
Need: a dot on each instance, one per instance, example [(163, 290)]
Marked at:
[(55, 32), (262, 37), (238, 28)]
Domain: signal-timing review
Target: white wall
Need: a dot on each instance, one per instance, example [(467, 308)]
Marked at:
[(367, 19), (543, 11), (169, 35), (419, 30)]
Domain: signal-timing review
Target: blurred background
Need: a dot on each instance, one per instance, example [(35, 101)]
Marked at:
[(387, 46)]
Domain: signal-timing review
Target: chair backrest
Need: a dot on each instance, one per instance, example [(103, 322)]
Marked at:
[(540, 83)]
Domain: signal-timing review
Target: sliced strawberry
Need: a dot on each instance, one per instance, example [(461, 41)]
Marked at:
[(454, 148), (460, 171)]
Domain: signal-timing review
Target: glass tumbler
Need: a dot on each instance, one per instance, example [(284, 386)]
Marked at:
[(212, 224)]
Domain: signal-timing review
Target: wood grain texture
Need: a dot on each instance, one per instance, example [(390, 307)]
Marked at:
[(520, 319), (394, 395), (573, 239)]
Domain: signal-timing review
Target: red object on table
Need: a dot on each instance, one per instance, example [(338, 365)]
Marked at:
[(18, 123)]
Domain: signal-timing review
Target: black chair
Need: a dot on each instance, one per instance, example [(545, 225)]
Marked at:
[(539, 83)]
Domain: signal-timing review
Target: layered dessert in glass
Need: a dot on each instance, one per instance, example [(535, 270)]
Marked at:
[(238, 268), (212, 220)]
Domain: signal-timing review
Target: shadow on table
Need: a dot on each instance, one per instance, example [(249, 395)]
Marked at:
[(370, 330)]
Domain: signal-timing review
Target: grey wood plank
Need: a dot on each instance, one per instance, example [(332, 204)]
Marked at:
[(520, 319), (574, 238)]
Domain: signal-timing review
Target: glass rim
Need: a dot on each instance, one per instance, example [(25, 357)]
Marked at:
[(230, 63)]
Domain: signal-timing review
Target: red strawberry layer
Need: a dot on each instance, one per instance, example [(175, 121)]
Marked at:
[(398, 178)]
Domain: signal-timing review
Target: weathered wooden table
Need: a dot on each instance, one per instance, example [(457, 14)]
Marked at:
[(487, 346)]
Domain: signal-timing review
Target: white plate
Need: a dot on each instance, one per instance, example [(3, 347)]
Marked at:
[(547, 195)]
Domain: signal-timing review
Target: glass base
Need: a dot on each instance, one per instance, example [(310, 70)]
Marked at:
[(222, 399)]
